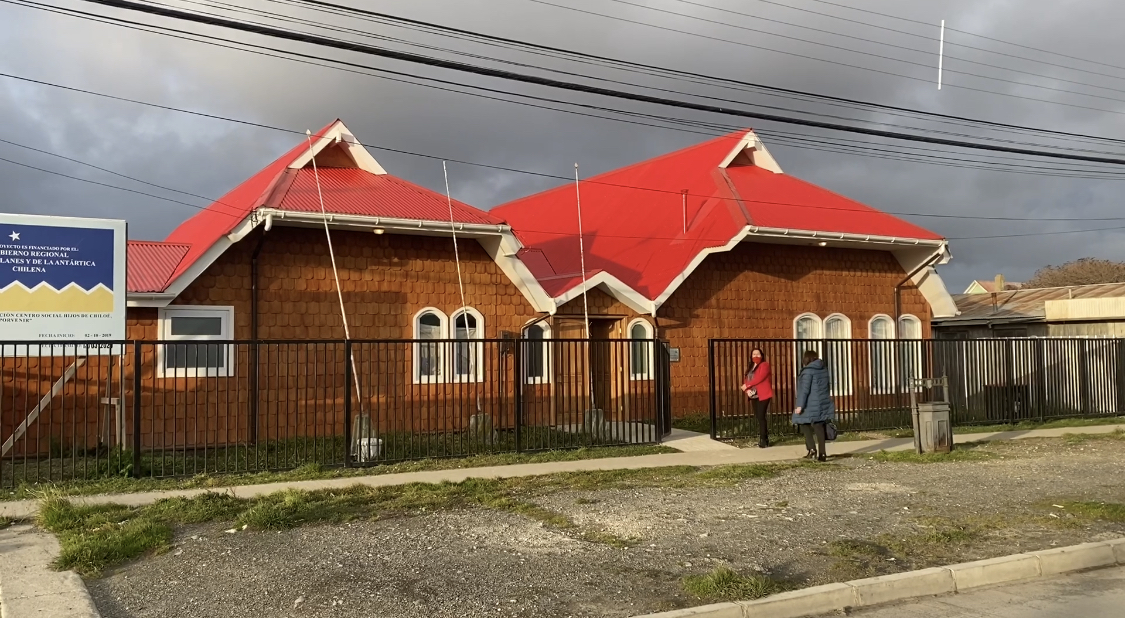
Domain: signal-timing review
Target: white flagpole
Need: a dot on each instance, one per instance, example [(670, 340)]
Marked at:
[(941, 54)]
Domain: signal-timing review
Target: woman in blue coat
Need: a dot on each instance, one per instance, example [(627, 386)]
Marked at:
[(815, 407)]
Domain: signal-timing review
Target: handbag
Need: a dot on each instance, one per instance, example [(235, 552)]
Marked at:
[(830, 431)]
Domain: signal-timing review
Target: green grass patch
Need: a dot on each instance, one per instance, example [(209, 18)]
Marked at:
[(699, 423), (99, 536), (725, 584), (5, 522), (961, 452), (315, 471), (1092, 511), (1031, 425)]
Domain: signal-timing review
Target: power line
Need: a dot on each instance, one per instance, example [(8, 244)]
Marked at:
[(966, 32), (445, 31), (881, 56), (926, 37), (564, 85)]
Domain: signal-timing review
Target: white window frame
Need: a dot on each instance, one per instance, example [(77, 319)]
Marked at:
[(840, 370), (546, 377), (914, 349), (476, 350), (649, 336), (165, 315), (800, 346), (889, 387), (443, 330)]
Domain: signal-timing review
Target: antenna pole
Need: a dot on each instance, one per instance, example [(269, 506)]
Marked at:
[(941, 54)]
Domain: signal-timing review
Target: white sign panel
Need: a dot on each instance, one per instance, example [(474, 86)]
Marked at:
[(62, 280)]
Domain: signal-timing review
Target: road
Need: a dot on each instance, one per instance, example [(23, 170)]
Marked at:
[(1097, 594)]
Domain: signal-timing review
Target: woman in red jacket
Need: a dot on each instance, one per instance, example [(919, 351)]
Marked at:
[(757, 387)]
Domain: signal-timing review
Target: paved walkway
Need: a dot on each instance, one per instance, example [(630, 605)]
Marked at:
[(27, 508), (1096, 594), (692, 442), (28, 586)]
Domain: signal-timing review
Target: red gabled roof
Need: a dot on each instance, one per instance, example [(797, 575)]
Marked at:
[(357, 192), (151, 264), (154, 266), (633, 218)]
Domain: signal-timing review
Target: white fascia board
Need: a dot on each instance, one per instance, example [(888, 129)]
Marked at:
[(148, 300), (500, 249), (758, 153), (928, 281), (615, 288), (179, 284), (774, 232), (339, 133), (386, 223), (695, 262)]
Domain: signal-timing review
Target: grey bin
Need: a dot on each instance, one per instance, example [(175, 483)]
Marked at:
[(933, 429)]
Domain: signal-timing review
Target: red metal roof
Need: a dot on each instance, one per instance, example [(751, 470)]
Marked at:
[(346, 191), (357, 192), (151, 264), (634, 217)]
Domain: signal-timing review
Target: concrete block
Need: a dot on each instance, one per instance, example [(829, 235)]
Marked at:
[(1076, 558), (50, 606), (799, 603), (719, 610), (889, 588), (996, 571), (1118, 550)]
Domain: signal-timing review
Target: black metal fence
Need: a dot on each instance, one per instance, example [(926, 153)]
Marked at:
[(162, 409), (991, 381)]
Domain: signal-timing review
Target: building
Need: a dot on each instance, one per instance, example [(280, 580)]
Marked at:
[(1078, 311), (981, 286), (716, 241), (237, 316)]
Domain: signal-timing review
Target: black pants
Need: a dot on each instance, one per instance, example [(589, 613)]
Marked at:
[(817, 430), (760, 409)]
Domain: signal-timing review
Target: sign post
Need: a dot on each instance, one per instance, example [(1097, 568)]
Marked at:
[(62, 286)]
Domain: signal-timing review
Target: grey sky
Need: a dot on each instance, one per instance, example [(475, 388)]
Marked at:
[(209, 157)]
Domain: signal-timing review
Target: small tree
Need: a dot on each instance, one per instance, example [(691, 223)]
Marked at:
[(1086, 271)]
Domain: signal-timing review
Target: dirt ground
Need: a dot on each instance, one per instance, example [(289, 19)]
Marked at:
[(631, 549)]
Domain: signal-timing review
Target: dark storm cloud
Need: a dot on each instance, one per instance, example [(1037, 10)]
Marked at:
[(208, 157)]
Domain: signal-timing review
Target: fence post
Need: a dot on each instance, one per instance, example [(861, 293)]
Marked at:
[(517, 362), (137, 409), (348, 403), (711, 386)]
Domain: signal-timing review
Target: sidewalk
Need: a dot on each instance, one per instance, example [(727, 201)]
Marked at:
[(29, 587), (26, 509)]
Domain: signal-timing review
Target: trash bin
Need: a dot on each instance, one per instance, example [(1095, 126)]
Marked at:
[(933, 429)]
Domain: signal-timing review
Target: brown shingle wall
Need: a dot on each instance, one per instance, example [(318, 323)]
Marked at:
[(754, 291)]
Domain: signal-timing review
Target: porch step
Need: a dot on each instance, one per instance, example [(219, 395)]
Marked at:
[(692, 442)]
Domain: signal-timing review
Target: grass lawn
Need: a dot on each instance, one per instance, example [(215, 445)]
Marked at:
[(95, 537), (124, 484)]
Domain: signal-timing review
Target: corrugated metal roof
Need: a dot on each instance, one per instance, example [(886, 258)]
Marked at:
[(151, 264), (634, 217), (1029, 305), (357, 192)]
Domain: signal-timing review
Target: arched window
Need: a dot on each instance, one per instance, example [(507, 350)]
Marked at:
[(838, 352), (429, 326), (910, 349), (808, 330), (468, 358), (640, 350), (537, 362), (882, 333)]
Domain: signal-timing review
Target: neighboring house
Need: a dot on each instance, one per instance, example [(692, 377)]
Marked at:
[(713, 241), (987, 287), (1078, 311), (716, 241)]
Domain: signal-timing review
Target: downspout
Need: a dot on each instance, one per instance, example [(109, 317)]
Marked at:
[(254, 331), (898, 350)]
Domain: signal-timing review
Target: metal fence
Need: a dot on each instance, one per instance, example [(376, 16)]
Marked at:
[(991, 381), (163, 409)]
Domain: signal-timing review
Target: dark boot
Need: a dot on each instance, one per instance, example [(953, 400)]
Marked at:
[(822, 457), (810, 455)]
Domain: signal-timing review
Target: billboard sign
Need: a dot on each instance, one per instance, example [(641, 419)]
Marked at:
[(62, 279)]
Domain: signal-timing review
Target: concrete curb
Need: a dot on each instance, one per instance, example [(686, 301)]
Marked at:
[(27, 509), (915, 584), (29, 587)]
